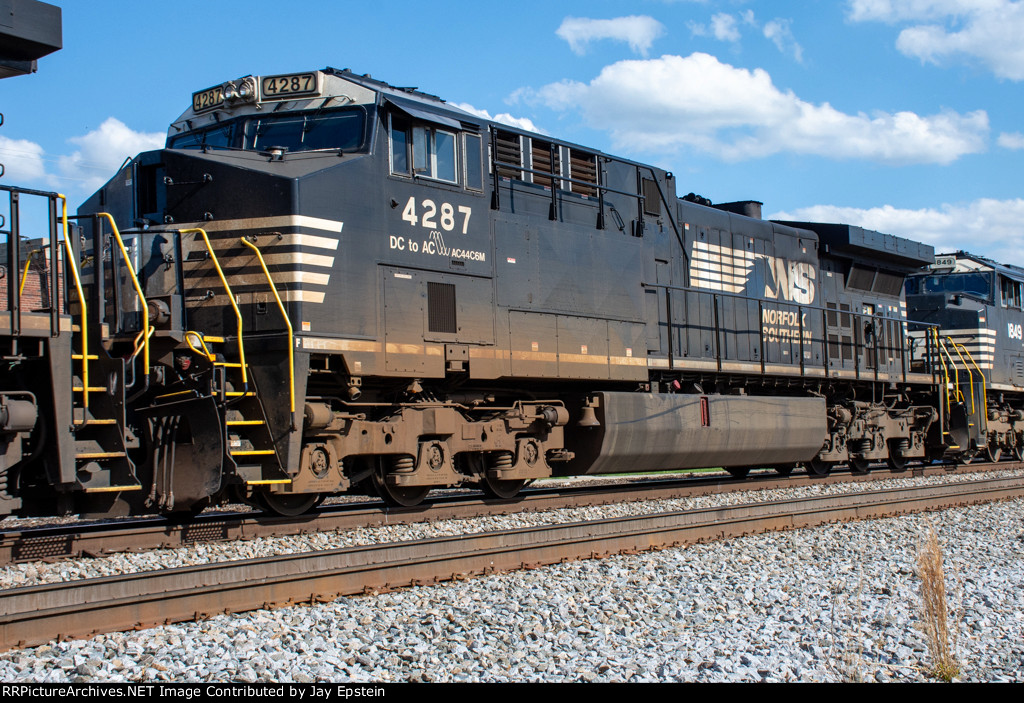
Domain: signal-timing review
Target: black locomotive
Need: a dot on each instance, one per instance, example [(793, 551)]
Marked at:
[(327, 284), (978, 307)]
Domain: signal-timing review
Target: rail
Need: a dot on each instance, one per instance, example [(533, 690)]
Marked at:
[(36, 614), (945, 369), (28, 264), (803, 339), (72, 264), (231, 299), (970, 374), (288, 324), (138, 290), (984, 388), (12, 230), (66, 541)]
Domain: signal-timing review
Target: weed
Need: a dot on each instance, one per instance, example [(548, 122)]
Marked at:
[(934, 610)]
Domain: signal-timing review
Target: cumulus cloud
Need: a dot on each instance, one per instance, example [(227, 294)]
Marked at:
[(780, 32), (726, 27), (102, 150), (639, 31), (987, 31), (723, 27), (23, 160), (1011, 140), (735, 114), (985, 226), (523, 123)]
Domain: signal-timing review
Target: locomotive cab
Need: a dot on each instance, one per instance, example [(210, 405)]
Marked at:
[(977, 305)]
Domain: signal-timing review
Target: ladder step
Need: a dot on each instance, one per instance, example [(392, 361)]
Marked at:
[(228, 364), (171, 395), (233, 423), (253, 452), (101, 422), (92, 389), (239, 394), (90, 357), (214, 340), (269, 482), (100, 455), (112, 489)]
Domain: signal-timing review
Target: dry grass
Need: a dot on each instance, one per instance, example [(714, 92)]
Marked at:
[(934, 609)]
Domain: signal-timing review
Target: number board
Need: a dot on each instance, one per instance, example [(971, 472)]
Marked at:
[(290, 85), (942, 262), (208, 99)]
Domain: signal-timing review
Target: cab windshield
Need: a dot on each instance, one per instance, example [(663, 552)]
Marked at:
[(306, 131), (977, 285), (294, 131)]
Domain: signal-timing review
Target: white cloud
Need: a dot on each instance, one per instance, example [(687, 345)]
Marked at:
[(904, 10), (639, 31), (23, 160), (733, 113), (780, 32), (1011, 140), (523, 123), (985, 226), (723, 27), (988, 31), (726, 27), (103, 150)]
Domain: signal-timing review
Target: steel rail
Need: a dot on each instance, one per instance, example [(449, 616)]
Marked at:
[(35, 615), (59, 542)]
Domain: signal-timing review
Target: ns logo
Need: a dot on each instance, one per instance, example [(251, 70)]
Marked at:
[(793, 280)]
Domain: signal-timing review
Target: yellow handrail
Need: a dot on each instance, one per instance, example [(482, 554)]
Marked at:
[(231, 299), (205, 351), (84, 327), (970, 374), (138, 291), (945, 370), (956, 371), (287, 322), (24, 274), (984, 388)]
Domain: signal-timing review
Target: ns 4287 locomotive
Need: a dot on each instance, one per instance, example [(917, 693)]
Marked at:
[(327, 284)]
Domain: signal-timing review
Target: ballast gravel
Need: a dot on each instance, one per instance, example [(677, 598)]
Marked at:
[(835, 603)]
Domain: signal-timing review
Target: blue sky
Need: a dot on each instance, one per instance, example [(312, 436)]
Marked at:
[(900, 115)]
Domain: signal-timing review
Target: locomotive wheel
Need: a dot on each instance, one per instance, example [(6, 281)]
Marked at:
[(398, 496), (501, 488), (860, 466), (288, 504), (1018, 452), (896, 462), (738, 471), (817, 467), (993, 453)]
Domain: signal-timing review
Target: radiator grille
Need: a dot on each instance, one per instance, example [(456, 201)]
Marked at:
[(441, 308)]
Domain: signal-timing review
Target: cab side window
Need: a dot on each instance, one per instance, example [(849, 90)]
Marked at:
[(400, 146), (423, 150), (1011, 293), (433, 153)]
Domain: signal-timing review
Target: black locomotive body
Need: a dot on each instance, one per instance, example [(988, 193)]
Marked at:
[(327, 284), (977, 307)]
